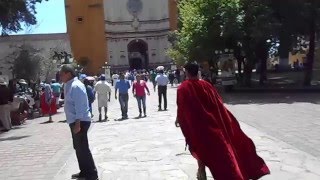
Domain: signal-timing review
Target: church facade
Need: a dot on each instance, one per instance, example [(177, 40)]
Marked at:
[(137, 33)]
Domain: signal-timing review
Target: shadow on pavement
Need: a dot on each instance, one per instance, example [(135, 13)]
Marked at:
[(102, 121), (270, 98), (47, 122), (13, 138)]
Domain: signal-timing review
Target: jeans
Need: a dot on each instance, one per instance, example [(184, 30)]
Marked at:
[(81, 146), (142, 99), (162, 91), (123, 99)]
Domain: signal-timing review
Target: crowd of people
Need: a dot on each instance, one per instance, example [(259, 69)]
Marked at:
[(212, 133)]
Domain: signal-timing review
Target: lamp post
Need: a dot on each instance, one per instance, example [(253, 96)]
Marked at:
[(107, 72)]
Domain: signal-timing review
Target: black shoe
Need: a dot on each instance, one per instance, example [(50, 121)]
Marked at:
[(140, 115), (77, 176), (105, 117), (100, 118), (159, 109), (145, 115), (92, 178)]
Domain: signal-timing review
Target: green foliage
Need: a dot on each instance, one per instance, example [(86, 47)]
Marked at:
[(27, 63), (15, 12)]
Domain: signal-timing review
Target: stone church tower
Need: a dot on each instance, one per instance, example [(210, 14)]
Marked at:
[(128, 34)]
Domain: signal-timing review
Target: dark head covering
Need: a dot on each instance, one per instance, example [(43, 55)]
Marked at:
[(192, 68), (102, 77)]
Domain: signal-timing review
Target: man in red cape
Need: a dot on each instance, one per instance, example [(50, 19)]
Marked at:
[(213, 134)]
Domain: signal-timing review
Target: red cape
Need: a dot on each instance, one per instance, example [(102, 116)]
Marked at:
[(214, 135)]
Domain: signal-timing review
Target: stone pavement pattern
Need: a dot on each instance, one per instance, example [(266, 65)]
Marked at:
[(153, 148), (293, 118), (34, 150)]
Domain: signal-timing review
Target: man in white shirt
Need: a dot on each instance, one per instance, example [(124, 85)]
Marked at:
[(115, 78), (104, 92), (162, 80)]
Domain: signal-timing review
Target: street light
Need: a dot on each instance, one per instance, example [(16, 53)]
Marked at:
[(107, 70)]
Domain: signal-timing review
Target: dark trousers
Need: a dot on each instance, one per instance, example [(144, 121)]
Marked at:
[(81, 145), (162, 91), (123, 99), (141, 100)]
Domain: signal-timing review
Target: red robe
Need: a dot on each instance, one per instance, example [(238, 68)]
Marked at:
[(46, 108), (214, 135)]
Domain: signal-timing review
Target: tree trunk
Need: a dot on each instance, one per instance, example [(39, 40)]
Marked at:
[(247, 75), (262, 53), (285, 44), (310, 56), (239, 61), (263, 71)]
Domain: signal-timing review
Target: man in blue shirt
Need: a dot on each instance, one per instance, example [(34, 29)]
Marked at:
[(123, 86), (78, 117)]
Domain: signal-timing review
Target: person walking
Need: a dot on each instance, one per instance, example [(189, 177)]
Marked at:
[(171, 77), (103, 89), (115, 78), (5, 107), (213, 134), (153, 76), (48, 102), (138, 91), (90, 93), (78, 117), (56, 90), (123, 86), (162, 81)]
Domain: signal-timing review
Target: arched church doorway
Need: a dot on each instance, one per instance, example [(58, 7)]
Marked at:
[(138, 54)]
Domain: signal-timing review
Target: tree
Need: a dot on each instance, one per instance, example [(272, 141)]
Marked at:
[(15, 12), (242, 25), (202, 23), (313, 28), (258, 27), (26, 65)]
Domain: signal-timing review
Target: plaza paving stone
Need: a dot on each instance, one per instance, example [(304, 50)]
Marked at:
[(284, 129), (152, 148)]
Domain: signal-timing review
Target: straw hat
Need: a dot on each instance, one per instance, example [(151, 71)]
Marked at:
[(3, 82), (22, 81)]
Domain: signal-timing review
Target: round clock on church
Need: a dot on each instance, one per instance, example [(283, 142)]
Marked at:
[(134, 7)]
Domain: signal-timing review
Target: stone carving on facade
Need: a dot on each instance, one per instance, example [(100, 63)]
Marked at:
[(134, 7)]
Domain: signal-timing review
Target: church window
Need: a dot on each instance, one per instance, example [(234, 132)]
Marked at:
[(80, 19)]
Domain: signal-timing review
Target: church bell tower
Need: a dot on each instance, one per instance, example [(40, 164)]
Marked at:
[(86, 30)]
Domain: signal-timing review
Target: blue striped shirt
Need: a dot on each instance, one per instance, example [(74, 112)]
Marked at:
[(76, 104)]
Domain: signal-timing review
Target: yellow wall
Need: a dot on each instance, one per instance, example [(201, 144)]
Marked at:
[(173, 14), (87, 39)]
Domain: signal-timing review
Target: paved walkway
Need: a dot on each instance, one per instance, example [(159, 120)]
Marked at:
[(152, 148), (291, 117), (35, 150)]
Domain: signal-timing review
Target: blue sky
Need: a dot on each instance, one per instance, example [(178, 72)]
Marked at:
[(51, 18)]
